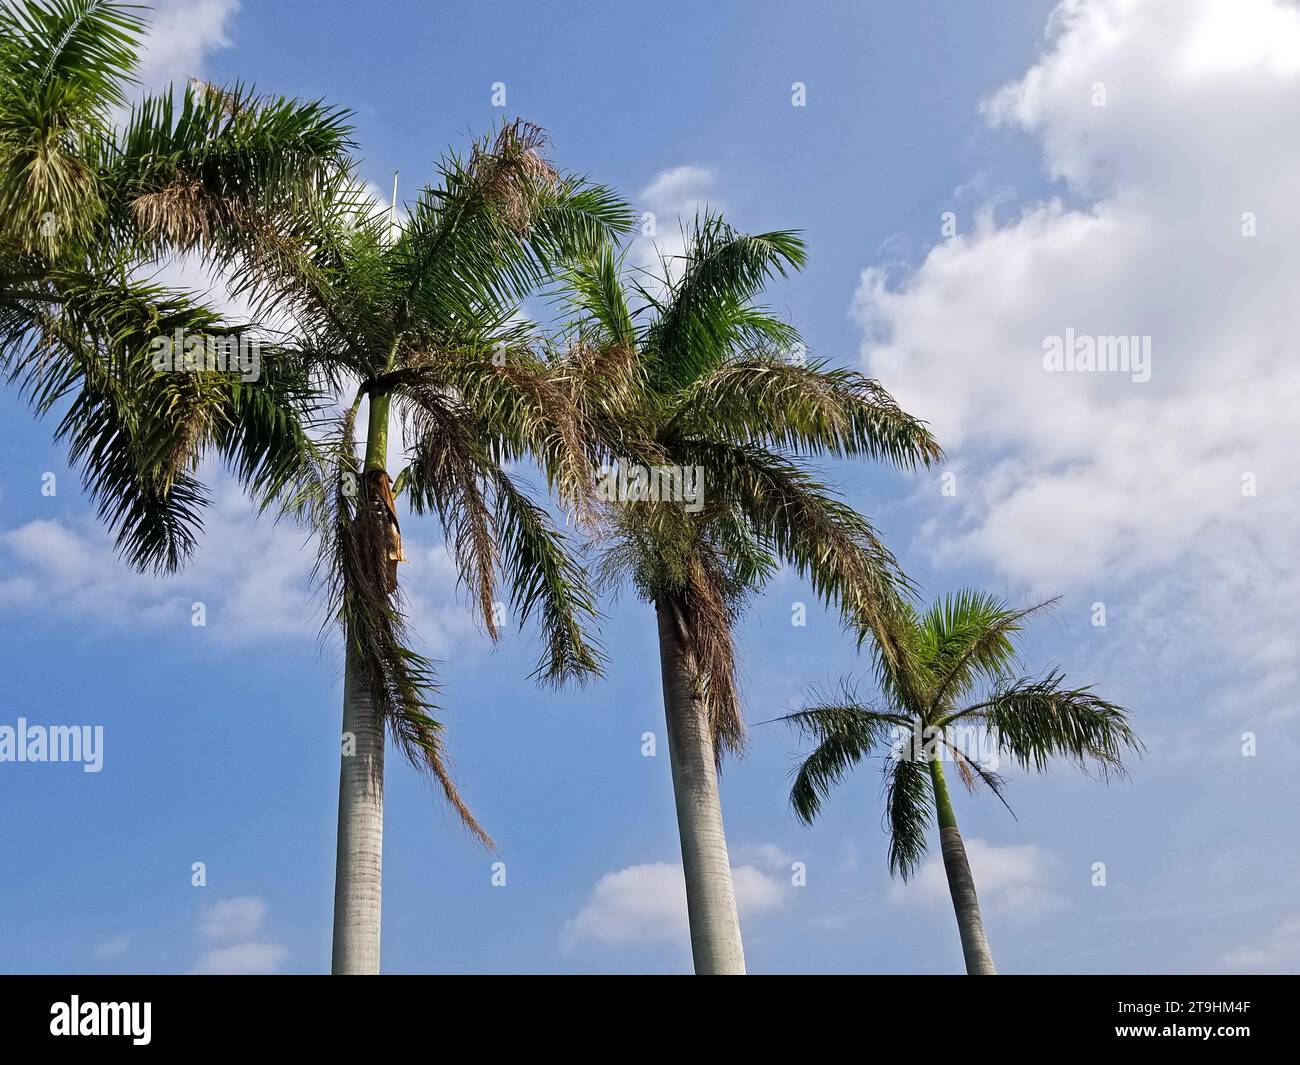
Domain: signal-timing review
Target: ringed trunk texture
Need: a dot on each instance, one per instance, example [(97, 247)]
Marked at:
[(710, 897), (358, 873), (961, 885)]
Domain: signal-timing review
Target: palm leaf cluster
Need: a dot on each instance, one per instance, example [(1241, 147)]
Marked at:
[(959, 673), (87, 203)]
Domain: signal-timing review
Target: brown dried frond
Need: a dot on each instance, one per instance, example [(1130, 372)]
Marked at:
[(446, 469), (705, 620), (355, 552), (513, 174)]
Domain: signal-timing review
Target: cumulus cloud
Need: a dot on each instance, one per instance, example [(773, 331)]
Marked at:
[(181, 35), (233, 919), (234, 928), (647, 904), (1075, 480), (1009, 879), (672, 199)]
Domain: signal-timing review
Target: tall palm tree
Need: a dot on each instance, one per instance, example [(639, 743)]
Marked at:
[(419, 318), (702, 381), (263, 192), (958, 675), (85, 208)]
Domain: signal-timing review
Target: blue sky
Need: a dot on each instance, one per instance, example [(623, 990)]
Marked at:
[(1126, 217)]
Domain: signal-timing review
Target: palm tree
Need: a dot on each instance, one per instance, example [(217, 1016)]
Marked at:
[(85, 207), (698, 380), (957, 675), (419, 318), (263, 192)]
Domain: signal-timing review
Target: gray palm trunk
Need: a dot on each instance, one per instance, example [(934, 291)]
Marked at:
[(358, 874), (710, 897), (961, 884)]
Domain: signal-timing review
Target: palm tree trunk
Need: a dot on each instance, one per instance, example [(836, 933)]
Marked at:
[(710, 897), (358, 873), (359, 860), (961, 885)]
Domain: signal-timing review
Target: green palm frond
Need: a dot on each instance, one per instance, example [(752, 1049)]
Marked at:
[(63, 65), (845, 732), (707, 312), (824, 539), (497, 225), (811, 409), (90, 46), (219, 167), (135, 433), (967, 637), (545, 579), (593, 286), (909, 811), (1035, 720), (492, 525)]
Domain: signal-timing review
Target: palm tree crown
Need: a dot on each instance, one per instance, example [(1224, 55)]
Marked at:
[(959, 673), (701, 377), (85, 208), (419, 317)]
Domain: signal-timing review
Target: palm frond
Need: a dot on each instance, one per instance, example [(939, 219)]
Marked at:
[(706, 314), (1035, 720), (845, 733), (353, 565), (967, 636), (496, 226), (909, 811), (810, 409)]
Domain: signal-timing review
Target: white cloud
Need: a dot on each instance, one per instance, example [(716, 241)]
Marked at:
[(673, 197), (242, 959), (234, 926), (252, 575), (647, 904), (181, 35), (233, 919), (1070, 480), (1009, 879), (680, 190), (1280, 954)]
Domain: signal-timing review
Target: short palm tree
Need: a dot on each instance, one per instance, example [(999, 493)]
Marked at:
[(419, 318), (700, 378), (956, 675), (85, 207)]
